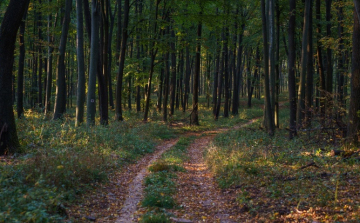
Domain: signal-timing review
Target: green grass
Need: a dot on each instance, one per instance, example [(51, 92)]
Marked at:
[(267, 170), (58, 161), (160, 186)]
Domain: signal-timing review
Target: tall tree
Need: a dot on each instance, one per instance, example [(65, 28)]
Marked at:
[(320, 60), (354, 109), (81, 67), (20, 79), (194, 114), (304, 59), (291, 66), (60, 101), (119, 79), (268, 119), (9, 142), (94, 51)]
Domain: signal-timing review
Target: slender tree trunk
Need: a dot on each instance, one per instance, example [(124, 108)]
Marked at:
[(329, 65), (354, 118), (166, 86), (20, 79), (310, 71), (304, 57), (94, 51), (60, 101), (173, 72), (226, 72), (81, 66), (187, 78), (216, 74), (194, 114), (237, 76), (269, 120), (291, 66), (341, 62), (9, 142), (118, 108), (319, 59)]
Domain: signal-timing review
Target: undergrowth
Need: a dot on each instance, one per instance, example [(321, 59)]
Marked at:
[(159, 185), (281, 179), (57, 162)]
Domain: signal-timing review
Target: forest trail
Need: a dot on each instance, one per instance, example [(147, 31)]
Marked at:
[(118, 200), (120, 196)]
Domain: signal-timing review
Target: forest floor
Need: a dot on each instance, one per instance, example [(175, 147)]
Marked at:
[(197, 192)]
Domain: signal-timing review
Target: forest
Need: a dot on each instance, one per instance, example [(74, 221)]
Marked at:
[(179, 110)]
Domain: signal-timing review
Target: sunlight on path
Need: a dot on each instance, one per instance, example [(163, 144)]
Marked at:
[(135, 191)]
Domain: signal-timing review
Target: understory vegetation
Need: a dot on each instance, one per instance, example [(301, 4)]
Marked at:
[(289, 180), (160, 186), (59, 162)]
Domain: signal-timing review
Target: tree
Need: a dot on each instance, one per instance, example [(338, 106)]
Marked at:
[(60, 101), (9, 142), (20, 82), (354, 109), (268, 119), (81, 67), (291, 65), (94, 51), (119, 80), (194, 114)]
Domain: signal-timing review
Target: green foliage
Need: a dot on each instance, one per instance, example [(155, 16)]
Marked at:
[(274, 169), (155, 217), (59, 161), (160, 186)]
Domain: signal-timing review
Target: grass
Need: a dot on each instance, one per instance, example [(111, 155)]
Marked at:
[(59, 161), (266, 170), (159, 185)]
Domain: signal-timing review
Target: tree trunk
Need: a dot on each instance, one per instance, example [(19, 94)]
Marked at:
[(226, 72), (320, 62), (94, 51), (60, 101), (341, 66), (304, 57), (173, 72), (268, 119), (354, 117), (20, 79), (166, 86), (329, 65), (291, 66), (194, 114), (118, 108), (9, 142), (310, 71), (81, 66)]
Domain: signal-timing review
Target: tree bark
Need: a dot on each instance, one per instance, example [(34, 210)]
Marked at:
[(310, 71), (319, 60), (268, 119), (9, 142), (304, 56), (80, 62), (354, 116), (173, 72), (20, 79), (60, 101), (94, 51), (118, 108), (194, 114)]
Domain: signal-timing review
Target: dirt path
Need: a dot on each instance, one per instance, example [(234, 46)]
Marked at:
[(120, 195), (198, 195), (135, 190), (118, 200)]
